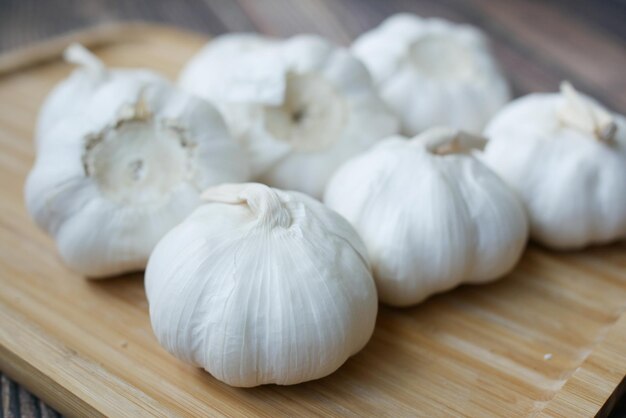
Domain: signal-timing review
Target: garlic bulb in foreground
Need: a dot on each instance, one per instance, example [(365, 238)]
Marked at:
[(261, 286), (111, 180), (300, 107), (565, 155), (433, 72), (431, 215), (87, 81)]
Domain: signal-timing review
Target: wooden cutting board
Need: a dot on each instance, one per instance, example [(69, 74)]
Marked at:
[(550, 339)]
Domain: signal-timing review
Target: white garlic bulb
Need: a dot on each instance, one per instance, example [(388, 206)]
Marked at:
[(112, 179), (261, 286), (300, 107), (433, 72), (91, 77), (431, 215), (565, 155)]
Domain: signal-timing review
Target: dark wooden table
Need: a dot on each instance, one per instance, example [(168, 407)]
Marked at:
[(538, 42)]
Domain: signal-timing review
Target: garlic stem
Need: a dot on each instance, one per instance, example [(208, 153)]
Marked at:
[(583, 114), (79, 55), (136, 111), (444, 140), (262, 200), (606, 132), (141, 110)]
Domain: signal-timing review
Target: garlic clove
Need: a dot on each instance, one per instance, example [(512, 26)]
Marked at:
[(431, 214), (261, 286), (110, 181), (433, 72), (328, 109), (565, 155)]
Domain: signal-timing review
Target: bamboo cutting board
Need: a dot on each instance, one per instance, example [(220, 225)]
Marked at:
[(550, 339)]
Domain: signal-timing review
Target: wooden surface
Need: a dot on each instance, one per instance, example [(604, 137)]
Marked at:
[(549, 339)]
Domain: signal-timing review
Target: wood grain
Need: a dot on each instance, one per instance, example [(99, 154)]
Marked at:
[(601, 373), (547, 339)]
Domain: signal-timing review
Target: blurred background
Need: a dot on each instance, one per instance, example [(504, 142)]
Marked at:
[(538, 42)]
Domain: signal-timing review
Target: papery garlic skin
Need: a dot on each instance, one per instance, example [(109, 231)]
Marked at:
[(299, 107), (565, 155), (430, 220), (261, 286), (111, 180), (88, 80), (433, 72)]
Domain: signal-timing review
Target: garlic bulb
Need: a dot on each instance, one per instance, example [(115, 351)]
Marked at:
[(261, 286), (111, 180), (565, 155), (431, 215), (91, 77), (299, 107), (433, 72)]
